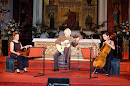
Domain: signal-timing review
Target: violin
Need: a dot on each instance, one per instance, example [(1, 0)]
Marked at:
[(24, 51)]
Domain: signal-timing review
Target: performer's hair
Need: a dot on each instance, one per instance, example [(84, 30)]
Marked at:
[(67, 30), (111, 35), (15, 33), (107, 33)]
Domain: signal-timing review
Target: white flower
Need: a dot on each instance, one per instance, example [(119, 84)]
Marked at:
[(118, 32), (123, 23), (16, 31), (15, 24), (127, 22), (127, 25), (6, 28), (12, 29), (127, 33), (9, 32), (124, 30), (11, 25)]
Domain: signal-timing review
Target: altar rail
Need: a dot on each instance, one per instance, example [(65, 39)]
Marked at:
[(51, 48)]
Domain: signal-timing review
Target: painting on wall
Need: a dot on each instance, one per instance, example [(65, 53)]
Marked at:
[(74, 14)]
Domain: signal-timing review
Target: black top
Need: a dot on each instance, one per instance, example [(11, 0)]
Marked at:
[(17, 46), (110, 53)]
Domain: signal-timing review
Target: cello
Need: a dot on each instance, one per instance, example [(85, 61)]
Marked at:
[(100, 60)]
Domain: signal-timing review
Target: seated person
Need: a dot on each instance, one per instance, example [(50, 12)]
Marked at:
[(66, 50), (22, 62), (110, 43)]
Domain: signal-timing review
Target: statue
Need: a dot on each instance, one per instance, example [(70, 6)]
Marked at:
[(89, 2), (116, 14), (51, 16), (88, 22), (52, 11), (2, 11), (71, 22)]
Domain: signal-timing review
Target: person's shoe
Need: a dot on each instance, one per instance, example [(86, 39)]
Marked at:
[(17, 70), (25, 70), (95, 72), (55, 70), (107, 75)]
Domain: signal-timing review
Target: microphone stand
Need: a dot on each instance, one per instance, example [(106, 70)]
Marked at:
[(43, 55), (90, 67), (78, 58)]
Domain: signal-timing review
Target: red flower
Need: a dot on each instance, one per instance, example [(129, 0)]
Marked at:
[(126, 27)]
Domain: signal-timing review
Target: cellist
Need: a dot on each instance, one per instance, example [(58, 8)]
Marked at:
[(106, 36)]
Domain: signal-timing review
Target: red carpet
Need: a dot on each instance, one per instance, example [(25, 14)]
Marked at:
[(28, 79)]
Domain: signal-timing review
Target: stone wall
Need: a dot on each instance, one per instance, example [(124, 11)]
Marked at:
[(51, 49)]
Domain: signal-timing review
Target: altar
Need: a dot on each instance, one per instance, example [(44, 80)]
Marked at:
[(75, 52)]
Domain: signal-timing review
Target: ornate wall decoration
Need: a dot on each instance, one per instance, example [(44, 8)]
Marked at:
[(70, 13)]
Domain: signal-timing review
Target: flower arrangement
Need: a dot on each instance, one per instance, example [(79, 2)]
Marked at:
[(12, 26), (124, 33), (124, 30)]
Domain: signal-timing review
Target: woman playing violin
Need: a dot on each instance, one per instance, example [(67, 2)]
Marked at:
[(22, 62)]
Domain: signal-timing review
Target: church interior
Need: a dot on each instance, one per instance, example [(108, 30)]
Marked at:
[(40, 23)]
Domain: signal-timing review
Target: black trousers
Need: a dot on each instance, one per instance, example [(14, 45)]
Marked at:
[(22, 62), (57, 54), (108, 64)]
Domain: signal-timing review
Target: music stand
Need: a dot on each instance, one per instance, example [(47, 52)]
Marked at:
[(38, 52), (88, 53)]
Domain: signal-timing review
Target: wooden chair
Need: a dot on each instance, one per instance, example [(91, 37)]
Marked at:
[(62, 63)]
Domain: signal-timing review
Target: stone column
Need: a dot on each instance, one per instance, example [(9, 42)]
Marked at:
[(102, 13), (37, 11), (10, 13)]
